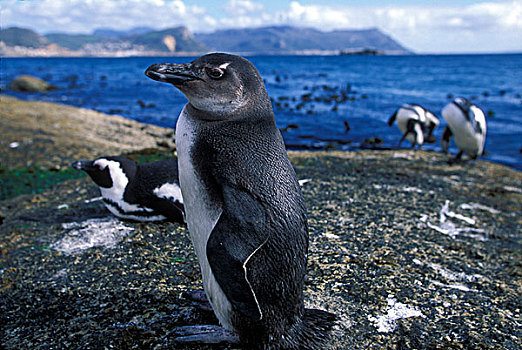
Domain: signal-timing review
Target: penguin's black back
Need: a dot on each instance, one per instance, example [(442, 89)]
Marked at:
[(147, 178)]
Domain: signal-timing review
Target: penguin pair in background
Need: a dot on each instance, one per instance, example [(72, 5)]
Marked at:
[(244, 209), (415, 123), (467, 123), (139, 192)]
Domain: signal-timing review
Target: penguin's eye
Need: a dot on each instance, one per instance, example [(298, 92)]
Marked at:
[(215, 73)]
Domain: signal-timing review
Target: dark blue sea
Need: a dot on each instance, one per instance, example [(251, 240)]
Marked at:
[(314, 97)]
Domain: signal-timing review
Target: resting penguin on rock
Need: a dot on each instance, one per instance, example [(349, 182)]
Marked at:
[(140, 192), (415, 123), (468, 124), (244, 209)]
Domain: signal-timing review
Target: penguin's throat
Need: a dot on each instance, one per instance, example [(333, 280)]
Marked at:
[(119, 183), (216, 112)]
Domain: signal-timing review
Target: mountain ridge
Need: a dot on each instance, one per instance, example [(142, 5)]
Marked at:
[(179, 40), (288, 39)]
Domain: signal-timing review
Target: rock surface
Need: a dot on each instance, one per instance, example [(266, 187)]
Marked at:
[(27, 83), (53, 135), (408, 251)]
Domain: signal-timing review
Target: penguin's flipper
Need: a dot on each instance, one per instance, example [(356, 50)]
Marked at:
[(392, 118), (204, 334), (478, 128), (172, 209), (403, 137), (239, 233), (410, 128), (446, 136)]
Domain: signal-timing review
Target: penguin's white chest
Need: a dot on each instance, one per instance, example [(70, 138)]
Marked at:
[(201, 213)]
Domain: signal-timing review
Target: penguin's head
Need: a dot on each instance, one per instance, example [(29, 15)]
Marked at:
[(463, 103), (432, 118), (431, 123), (218, 84), (107, 172)]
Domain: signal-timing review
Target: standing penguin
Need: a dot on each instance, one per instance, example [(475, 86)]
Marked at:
[(415, 123), (468, 124), (140, 192), (245, 211)]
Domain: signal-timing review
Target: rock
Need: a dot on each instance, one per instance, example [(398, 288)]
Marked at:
[(373, 141), (380, 257), (27, 83), (408, 251), (73, 133), (347, 127), (289, 127)]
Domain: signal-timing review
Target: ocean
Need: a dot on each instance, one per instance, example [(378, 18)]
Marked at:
[(320, 102)]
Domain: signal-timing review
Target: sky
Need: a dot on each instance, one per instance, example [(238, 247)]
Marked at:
[(424, 26)]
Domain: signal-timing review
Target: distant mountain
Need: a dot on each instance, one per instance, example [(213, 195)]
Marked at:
[(286, 39), (179, 40), (168, 40), (111, 33), (73, 41), (22, 37), (141, 39), (103, 42)]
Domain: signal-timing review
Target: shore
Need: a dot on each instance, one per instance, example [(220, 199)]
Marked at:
[(408, 251)]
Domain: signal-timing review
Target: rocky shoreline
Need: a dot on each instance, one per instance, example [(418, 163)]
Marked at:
[(407, 250)]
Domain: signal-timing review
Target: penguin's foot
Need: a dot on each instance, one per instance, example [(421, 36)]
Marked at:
[(199, 297), (452, 161), (204, 334), (456, 160), (195, 295)]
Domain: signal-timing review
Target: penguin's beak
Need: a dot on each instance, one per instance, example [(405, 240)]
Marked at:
[(84, 165), (175, 74), (430, 139)]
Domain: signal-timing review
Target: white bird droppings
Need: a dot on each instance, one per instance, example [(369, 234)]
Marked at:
[(91, 233), (472, 206), (93, 199), (303, 181), (448, 228), (387, 323)]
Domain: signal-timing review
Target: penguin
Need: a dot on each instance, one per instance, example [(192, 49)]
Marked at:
[(467, 123), (244, 208), (416, 124), (139, 192)]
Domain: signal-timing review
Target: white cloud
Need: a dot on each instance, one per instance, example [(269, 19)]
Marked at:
[(486, 26), (317, 15), (491, 26), (80, 16), (243, 7), (480, 27)]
